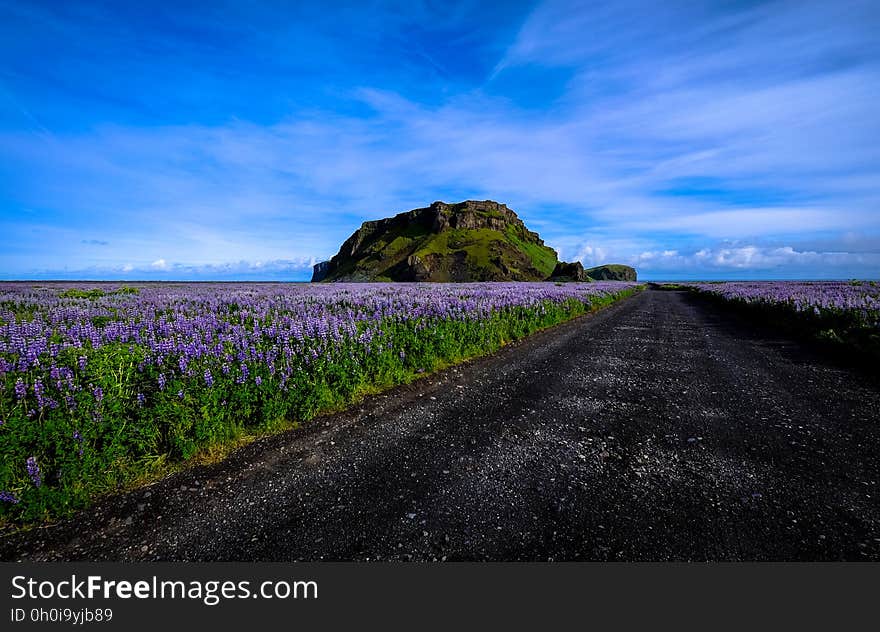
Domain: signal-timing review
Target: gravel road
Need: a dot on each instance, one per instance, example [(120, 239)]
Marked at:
[(661, 428)]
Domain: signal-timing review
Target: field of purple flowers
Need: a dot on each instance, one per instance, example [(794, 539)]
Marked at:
[(835, 311), (101, 385)]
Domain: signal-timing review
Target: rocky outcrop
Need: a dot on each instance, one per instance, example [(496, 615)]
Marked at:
[(611, 272), (468, 241), (475, 240), (565, 272), (320, 271), (569, 272)]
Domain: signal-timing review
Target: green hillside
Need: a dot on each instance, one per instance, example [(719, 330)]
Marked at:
[(468, 241)]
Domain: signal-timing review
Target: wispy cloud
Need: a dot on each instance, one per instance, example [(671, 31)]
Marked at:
[(676, 129), (275, 270), (732, 262)]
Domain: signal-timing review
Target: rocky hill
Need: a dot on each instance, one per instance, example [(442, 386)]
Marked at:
[(576, 272), (468, 241), (611, 272)]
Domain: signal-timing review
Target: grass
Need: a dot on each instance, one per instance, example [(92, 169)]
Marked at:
[(484, 249), (839, 333), (543, 258), (123, 442), (617, 269), (483, 246), (97, 293)]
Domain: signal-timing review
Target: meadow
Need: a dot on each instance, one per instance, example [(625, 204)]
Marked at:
[(845, 314), (103, 386)]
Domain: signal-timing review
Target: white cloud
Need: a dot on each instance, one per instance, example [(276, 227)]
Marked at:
[(774, 105), (591, 255), (724, 260), (783, 259), (299, 269)]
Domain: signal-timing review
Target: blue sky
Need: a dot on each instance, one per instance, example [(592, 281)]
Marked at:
[(246, 140)]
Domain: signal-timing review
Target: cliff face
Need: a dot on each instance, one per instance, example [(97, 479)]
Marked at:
[(569, 272), (468, 241), (611, 272), (575, 272)]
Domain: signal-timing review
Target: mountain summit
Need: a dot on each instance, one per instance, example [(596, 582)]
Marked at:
[(468, 241)]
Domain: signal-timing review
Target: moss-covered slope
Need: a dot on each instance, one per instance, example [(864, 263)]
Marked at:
[(611, 272), (468, 241)]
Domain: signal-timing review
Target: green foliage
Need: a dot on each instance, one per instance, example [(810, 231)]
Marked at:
[(844, 331), (489, 251), (120, 427), (98, 293), (88, 294), (612, 272), (542, 258), (480, 253)]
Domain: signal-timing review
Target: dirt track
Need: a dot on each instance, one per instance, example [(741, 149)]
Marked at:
[(660, 428)]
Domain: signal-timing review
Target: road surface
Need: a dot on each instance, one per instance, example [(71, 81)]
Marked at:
[(661, 428)]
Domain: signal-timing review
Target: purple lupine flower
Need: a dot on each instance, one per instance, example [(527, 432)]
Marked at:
[(33, 471), (8, 497), (180, 394), (20, 389), (39, 391), (209, 379), (161, 381), (258, 380), (81, 363), (141, 399), (98, 393)]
